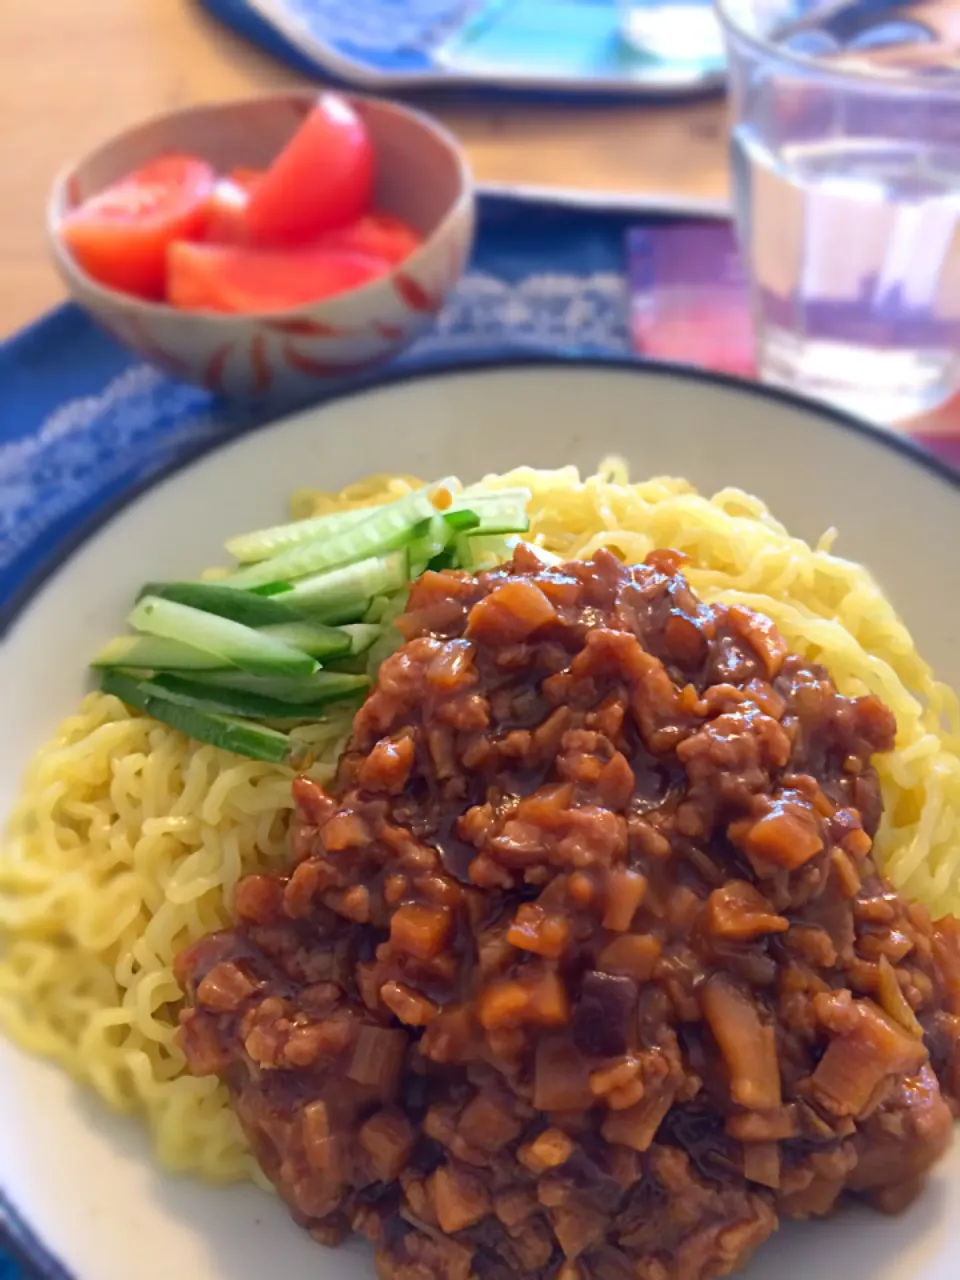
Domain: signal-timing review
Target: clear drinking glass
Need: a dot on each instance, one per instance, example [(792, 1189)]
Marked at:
[(846, 178)]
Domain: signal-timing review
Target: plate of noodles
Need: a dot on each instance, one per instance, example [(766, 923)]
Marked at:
[(500, 822)]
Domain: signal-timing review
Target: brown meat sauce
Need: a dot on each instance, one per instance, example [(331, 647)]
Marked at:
[(585, 971)]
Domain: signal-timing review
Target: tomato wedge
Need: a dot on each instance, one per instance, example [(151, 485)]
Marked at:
[(245, 177), (323, 178), (238, 280), (120, 236), (225, 214), (379, 234)]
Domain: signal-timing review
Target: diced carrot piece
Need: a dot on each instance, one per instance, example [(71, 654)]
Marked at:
[(541, 1001), (633, 955), (739, 912), (225, 988), (484, 1123), (534, 929), (788, 835), (548, 1151), (345, 831), (459, 1198), (548, 1001), (502, 1005), (578, 1227), (419, 930), (511, 613), (388, 766), (408, 1005), (388, 1139)]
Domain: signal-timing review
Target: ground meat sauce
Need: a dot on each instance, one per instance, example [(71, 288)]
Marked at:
[(584, 970)]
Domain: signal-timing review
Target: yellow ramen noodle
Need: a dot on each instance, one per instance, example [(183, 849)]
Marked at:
[(129, 838)]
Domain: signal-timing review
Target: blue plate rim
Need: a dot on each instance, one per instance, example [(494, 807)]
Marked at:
[(27, 1247), (352, 69)]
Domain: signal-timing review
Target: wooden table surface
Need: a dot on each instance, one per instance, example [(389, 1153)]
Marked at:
[(76, 71)]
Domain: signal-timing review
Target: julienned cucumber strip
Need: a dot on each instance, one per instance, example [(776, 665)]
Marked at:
[(224, 700), (338, 615), (447, 559), (314, 638), (350, 589), (324, 686), (249, 548), (242, 737), (325, 643), (237, 645), (476, 552), (239, 606), (501, 513), (385, 529), (461, 520), (155, 654), (263, 544), (433, 541), (362, 636)]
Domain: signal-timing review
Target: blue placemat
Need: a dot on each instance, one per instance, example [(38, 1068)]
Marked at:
[(563, 47)]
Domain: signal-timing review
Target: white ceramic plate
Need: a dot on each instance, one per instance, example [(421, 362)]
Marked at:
[(83, 1178)]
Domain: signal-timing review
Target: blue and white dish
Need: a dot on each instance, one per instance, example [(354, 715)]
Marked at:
[(561, 47)]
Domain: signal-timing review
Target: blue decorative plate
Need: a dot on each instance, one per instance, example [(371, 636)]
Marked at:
[(558, 46)]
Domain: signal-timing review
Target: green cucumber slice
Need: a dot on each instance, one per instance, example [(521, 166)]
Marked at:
[(322, 687), (263, 544), (502, 512), (155, 654), (224, 700), (240, 606), (314, 638), (345, 594), (242, 737), (477, 552), (384, 530), (234, 643)]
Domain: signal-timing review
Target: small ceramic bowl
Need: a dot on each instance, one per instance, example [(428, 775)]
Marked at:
[(422, 177)]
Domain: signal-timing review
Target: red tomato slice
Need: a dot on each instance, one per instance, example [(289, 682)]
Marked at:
[(235, 279), (323, 178), (379, 234), (226, 211), (120, 236), (245, 178)]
